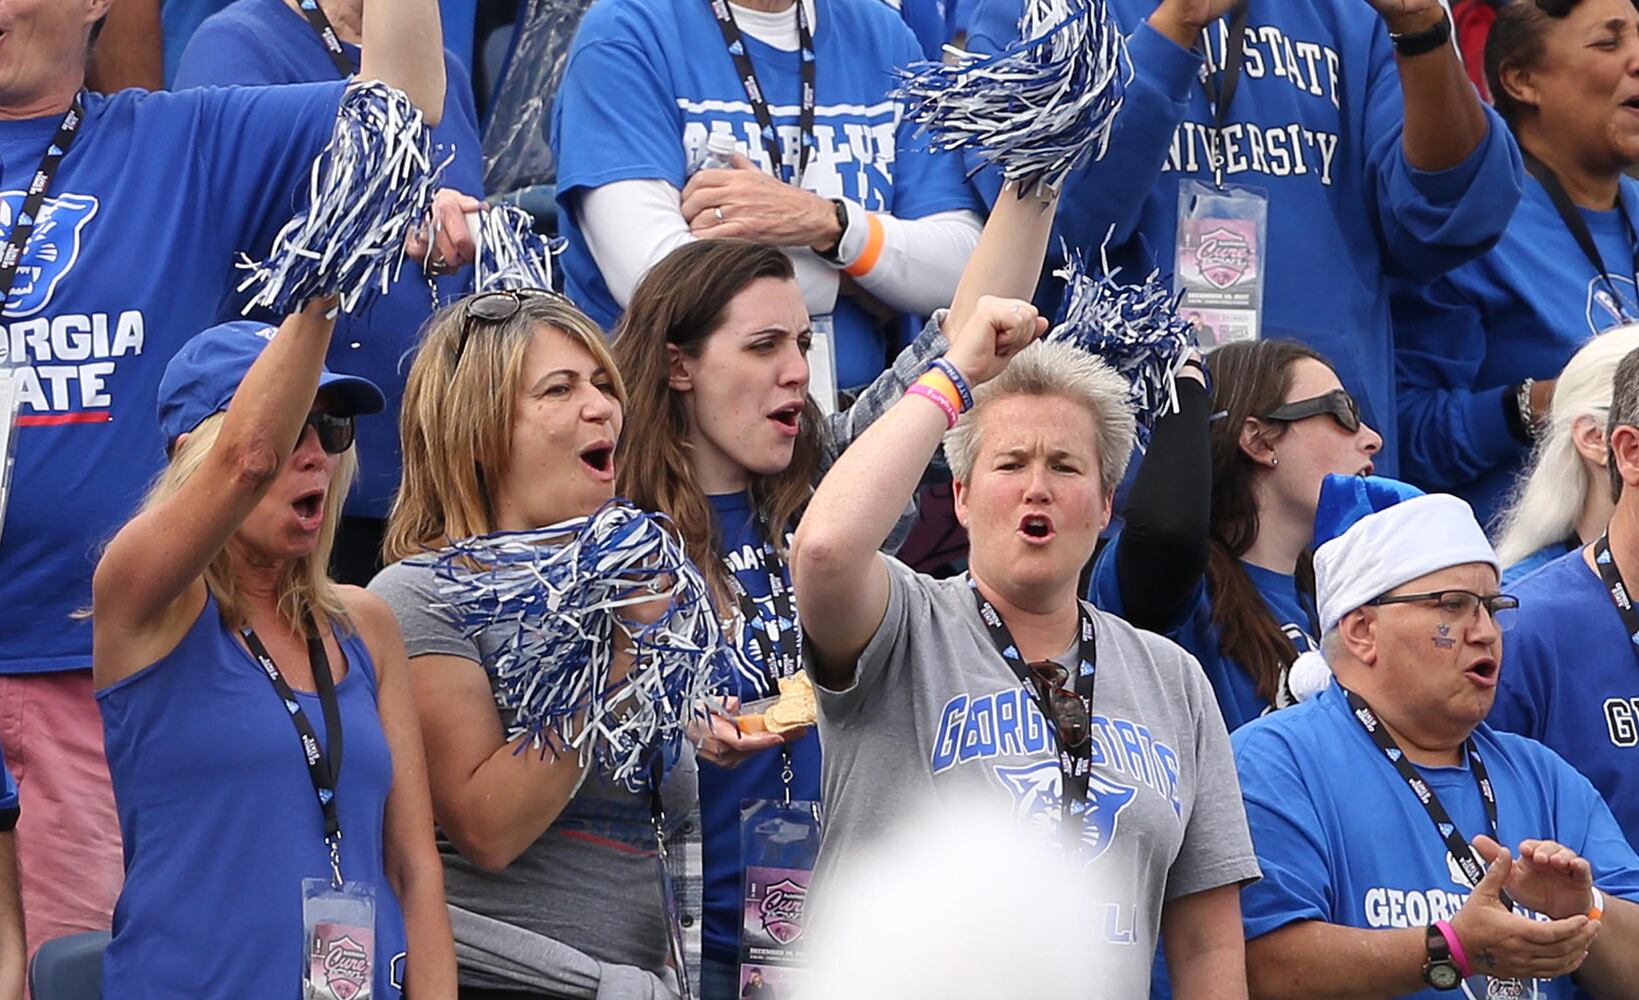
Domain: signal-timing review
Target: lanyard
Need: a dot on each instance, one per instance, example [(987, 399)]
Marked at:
[(1461, 851), (1571, 216), (324, 768), (1219, 95), (1613, 582), (736, 45), (780, 640), (1076, 768), (23, 225), (327, 34)]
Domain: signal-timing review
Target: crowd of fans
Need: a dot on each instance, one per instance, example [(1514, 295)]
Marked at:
[(1317, 732)]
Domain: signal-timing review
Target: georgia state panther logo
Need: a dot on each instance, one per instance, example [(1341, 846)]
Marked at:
[(1039, 791), (52, 248)]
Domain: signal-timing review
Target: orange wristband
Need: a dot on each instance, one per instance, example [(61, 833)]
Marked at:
[(875, 236), (939, 382)]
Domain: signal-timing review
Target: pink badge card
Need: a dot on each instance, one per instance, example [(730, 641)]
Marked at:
[(341, 940), (1219, 265)]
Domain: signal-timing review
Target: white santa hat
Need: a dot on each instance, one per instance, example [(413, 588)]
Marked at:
[(1371, 535)]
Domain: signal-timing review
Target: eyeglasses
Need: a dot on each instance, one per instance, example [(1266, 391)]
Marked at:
[(335, 433), (1463, 606), (1069, 712), (1338, 403), (497, 307)]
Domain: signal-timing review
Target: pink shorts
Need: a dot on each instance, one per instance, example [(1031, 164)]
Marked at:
[(68, 835)]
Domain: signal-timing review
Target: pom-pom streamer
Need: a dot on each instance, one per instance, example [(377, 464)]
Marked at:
[(511, 255), (555, 597), (1040, 108), (371, 184), (1136, 329)]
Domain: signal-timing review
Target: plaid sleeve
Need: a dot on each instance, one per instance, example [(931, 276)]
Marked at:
[(685, 868)]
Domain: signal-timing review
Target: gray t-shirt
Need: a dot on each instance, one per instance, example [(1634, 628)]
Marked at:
[(934, 709), (591, 880)]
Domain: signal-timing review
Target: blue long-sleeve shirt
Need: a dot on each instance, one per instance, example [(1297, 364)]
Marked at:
[(1316, 122), (1464, 341)]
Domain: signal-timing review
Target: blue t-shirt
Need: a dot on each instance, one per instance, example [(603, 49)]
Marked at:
[(1237, 693), (257, 42), (1316, 123), (221, 823), (131, 256), (1466, 340), (1570, 678), (1533, 562), (648, 80), (740, 541), (1340, 838)]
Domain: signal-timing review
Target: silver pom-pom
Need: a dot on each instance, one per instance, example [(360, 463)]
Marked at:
[(556, 599), (1038, 109), (1135, 328), (371, 184), (511, 255)]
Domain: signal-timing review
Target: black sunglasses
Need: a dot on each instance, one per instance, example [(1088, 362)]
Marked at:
[(1069, 712), (497, 307), (335, 433), (1337, 403), (1463, 606)]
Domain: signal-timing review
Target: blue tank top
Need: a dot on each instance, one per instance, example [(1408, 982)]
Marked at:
[(221, 822)]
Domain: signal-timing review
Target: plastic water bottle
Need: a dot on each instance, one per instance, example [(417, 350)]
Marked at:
[(720, 150)]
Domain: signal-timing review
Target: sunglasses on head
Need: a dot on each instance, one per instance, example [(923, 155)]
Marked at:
[(1338, 404), (335, 433), (1069, 712), (497, 307)]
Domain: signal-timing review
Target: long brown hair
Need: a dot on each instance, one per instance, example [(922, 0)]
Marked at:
[(1248, 379), (456, 418), (681, 302)]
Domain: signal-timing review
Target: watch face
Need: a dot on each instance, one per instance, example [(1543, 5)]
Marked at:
[(1443, 976)]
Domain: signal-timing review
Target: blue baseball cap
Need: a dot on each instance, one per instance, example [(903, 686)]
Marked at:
[(203, 376)]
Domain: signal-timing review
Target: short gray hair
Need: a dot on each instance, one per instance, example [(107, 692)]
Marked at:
[(1624, 410), (1053, 369)]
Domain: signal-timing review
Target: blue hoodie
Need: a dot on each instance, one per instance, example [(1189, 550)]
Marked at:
[(1466, 340), (1316, 122)]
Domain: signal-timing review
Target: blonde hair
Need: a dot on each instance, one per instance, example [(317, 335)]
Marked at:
[(306, 588), (1543, 506), (1053, 369), (456, 419)]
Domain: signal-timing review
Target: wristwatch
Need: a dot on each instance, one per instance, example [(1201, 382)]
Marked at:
[(1418, 42), (1440, 969), (834, 254)]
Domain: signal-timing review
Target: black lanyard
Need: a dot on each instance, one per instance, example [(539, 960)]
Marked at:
[(1076, 768), (1606, 564), (781, 650), (22, 226), (327, 34), (1460, 849), (323, 766), (1220, 94), (736, 45), (1571, 216)]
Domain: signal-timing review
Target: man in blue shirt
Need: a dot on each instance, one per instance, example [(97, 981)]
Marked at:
[(131, 252), (1380, 808), (1573, 668), (1354, 118)]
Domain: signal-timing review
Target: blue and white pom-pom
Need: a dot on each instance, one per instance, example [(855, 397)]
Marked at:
[(1038, 109), (372, 184), (1136, 329), (511, 254), (554, 598)]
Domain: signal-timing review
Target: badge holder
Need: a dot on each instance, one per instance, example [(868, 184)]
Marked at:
[(779, 840), (1219, 264), (339, 928), (822, 365)]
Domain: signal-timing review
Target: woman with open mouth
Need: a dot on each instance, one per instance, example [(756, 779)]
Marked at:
[(1222, 514), (512, 412), (726, 440), (260, 729)]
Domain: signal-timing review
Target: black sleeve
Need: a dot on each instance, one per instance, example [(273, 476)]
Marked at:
[(1163, 549)]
